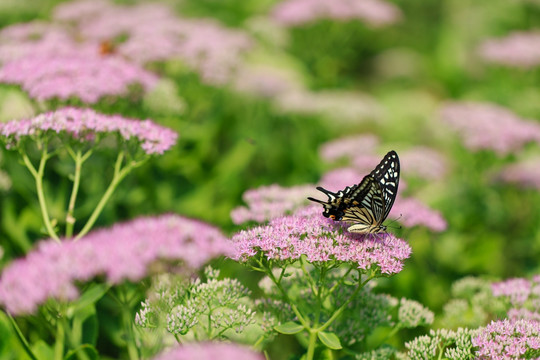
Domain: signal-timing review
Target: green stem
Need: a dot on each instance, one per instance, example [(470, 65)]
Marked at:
[(130, 337), (59, 344), (38, 176), (79, 160), (21, 338), (119, 174), (311, 345), (338, 284), (344, 305)]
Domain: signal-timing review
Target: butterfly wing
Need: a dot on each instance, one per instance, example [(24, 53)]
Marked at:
[(367, 204)]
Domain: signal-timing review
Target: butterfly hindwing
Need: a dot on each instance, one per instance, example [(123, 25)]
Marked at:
[(368, 203)]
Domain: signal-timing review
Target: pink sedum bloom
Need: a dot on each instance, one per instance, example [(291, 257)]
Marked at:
[(415, 213), (525, 173), (350, 147), (85, 124), (124, 252), (517, 290), (269, 202), (376, 13), (506, 339), (423, 162), (519, 49), (210, 351), (307, 233), (488, 126), (84, 76)]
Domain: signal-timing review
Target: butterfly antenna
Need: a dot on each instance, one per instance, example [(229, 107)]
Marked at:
[(393, 221)]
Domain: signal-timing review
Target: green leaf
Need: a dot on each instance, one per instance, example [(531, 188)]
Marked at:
[(289, 328), (90, 296), (42, 350), (330, 340)]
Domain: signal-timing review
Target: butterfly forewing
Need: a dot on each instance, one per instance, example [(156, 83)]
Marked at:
[(367, 204)]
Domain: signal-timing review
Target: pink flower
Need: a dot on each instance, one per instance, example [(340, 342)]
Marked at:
[(350, 148), (506, 339), (85, 124), (373, 12), (85, 76), (519, 49), (210, 351), (525, 173), (208, 47), (414, 213), (423, 162), (123, 252), (269, 202), (307, 233), (488, 126), (518, 290)]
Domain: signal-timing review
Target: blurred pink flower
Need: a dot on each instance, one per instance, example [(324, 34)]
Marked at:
[(85, 124), (506, 339), (38, 38), (350, 147), (488, 126), (423, 162), (519, 49), (123, 252), (373, 12), (265, 80), (517, 290), (269, 202), (307, 233), (415, 213), (210, 351), (152, 32), (85, 76), (525, 173)]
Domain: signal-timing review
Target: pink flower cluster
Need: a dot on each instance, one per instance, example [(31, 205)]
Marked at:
[(63, 76), (423, 162), (525, 173), (519, 49), (415, 213), (517, 290), (349, 147), (205, 45), (506, 339), (210, 351), (85, 124), (488, 126), (310, 234), (372, 12), (123, 252), (269, 202)]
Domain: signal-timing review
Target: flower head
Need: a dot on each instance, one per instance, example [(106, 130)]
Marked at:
[(210, 351), (517, 290), (269, 202), (307, 233), (423, 162), (349, 147), (519, 49), (525, 173), (488, 126), (414, 213), (372, 12), (85, 125), (123, 252), (506, 339), (88, 77)]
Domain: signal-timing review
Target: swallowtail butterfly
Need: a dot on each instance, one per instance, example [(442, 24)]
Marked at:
[(365, 205)]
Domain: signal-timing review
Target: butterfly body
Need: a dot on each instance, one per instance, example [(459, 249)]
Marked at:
[(367, 204)]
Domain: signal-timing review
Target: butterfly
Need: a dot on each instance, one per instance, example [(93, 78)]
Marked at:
[(367, 204)]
